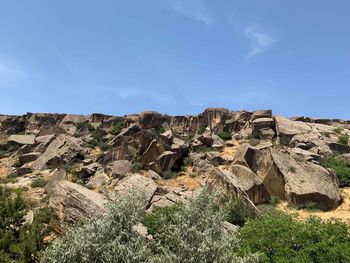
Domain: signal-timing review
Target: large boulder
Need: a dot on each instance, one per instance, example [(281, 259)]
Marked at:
[(99, 179), (261, 114), (249, 183), (288, 128), (28, 157), (139, 183), (154, 150), (119, 168), (21, 139), (165, 162), (262, 123), (298, 182), (71, 202), (63, 150)]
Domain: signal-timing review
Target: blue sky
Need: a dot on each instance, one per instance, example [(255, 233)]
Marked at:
[(175, 56)]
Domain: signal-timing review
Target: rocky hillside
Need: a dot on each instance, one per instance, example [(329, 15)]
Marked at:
[(79, 162)]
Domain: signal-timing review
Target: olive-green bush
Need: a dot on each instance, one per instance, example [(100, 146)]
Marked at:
[(282, 238)]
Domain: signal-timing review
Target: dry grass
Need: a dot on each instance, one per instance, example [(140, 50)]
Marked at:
[(190, 182), (342, 212), (229, 150), (3, 172)]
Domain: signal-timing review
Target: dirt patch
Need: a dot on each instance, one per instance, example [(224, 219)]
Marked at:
[(229, 150), (187, 180), (3, 172), (342, 212)]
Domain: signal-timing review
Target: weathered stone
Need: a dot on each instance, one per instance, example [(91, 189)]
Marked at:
[(71, 202), (153, 175), (303, 155), (99, 179), (261, 114), (262, 123), (21, 139), (289, 128), (339, 148), (63, 150), (139, 183), (298, 182), (28, 157), (217, 142), (151, 154), (267, 134), (165, 162), (89, 170), (119, 168)]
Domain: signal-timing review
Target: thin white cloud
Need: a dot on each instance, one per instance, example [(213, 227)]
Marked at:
[(9, 71), (130, 93), (193, 9), (260, 42)]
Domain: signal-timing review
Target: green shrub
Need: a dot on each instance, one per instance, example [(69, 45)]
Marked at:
[(11, 178), (237, 212), (194, 233), (292, 169), (104, 146), (39, 182), (161, 129), (117, 128), (342, 169), (343, 139), (274, 200), (281, 238), (254, 142), (21, 242), (169, 174), (136, 166), (107, 239), (225, 136), (253, 135), (201, 129), (312, 206), (284, 141), (159, 217), (181, 234), (338, 130)]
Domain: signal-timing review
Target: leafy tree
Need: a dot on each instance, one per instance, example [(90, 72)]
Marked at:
[(341, 167), (281, 238)]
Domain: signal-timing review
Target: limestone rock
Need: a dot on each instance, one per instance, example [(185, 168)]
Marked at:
[(289, 128), (139, 183), (63, 150), (71, 202), (28, 157), (99, 179), (21, 139), (119, 168)]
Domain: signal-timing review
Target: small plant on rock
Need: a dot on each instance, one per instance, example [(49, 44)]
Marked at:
[(39, 182), (344, 139), (225, 135)]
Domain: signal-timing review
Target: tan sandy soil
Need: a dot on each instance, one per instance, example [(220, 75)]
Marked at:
[(342, 212), (229, 150), (188, 180), (3, 172)]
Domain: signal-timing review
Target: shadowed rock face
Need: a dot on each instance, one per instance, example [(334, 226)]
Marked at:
[(267, 156)]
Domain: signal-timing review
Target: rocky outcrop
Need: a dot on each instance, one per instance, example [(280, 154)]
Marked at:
[(71, 202), (21, 139), (63, 150), (298, 182), (119, 168)]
